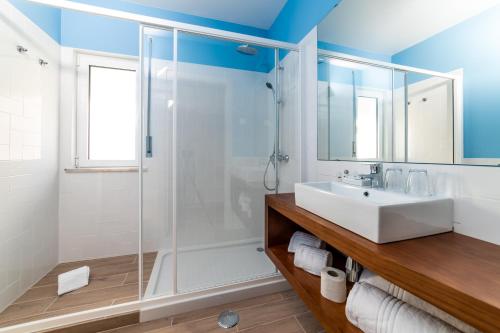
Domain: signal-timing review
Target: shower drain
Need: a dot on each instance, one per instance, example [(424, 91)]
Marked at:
[(260, 249), (228, 319)]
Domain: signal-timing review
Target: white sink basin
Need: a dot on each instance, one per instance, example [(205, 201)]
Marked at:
[(377, 215)]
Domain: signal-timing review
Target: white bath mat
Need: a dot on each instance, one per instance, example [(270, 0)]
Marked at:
[(73, 280)]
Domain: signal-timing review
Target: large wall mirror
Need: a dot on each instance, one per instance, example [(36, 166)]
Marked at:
[(414, 81)]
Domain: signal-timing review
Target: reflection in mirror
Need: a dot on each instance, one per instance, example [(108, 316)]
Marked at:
[(430, 119), (371, 112), (355, 99), (439, 102)]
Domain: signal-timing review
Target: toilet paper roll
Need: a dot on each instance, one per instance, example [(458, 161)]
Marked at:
[(333, 285)]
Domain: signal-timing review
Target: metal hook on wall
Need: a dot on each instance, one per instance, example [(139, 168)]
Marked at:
[(42, 62), (21, 49)]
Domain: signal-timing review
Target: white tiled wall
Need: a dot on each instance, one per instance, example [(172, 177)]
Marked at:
[(98, 215), (28, 155), (476, 189)]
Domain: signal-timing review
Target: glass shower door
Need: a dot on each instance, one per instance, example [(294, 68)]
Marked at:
[(209, 132), (157, 83), (224, 136)]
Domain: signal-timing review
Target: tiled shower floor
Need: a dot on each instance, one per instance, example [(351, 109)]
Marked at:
[(112, 281)]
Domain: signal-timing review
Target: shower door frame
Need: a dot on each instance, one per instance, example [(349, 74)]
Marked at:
[(202, 32)]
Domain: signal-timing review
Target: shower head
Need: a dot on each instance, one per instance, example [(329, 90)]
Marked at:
[(247, 50), (269, 86)]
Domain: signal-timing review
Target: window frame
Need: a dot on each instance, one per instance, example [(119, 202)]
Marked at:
[(84, 61)]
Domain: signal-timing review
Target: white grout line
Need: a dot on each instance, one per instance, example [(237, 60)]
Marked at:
[(125, 279), (51, 303), (300, 325)]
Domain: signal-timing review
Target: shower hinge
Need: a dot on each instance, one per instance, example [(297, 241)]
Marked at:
[(77, 162)]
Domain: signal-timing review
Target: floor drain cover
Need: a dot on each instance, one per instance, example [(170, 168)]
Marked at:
[(228, 319)]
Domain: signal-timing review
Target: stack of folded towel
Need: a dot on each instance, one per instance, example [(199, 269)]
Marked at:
[(302, 238), (311, 259), (309, 254), (376, 305)]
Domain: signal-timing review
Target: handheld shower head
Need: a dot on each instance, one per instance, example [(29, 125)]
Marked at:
[(269, 86)]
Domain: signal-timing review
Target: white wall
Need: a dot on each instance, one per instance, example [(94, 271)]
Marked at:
[(98, 212), (28, 154), (475, 189), (430, 123)]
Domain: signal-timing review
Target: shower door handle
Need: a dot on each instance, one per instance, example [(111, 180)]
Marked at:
[(149, 138), (149, 146)]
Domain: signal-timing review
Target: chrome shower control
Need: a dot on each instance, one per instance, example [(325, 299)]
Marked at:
[(283, 158)]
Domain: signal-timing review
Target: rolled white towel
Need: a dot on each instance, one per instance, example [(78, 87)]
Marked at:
[(393, 290), (73, 280), (311, 259), (374, 311), (300, 237)]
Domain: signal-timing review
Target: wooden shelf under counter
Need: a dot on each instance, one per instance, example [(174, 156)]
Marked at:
[(459, 274)]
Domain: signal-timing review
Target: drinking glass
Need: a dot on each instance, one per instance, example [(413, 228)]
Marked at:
[(417, 183), (394, 179)]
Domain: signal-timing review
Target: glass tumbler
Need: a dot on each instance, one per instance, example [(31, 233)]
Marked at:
[(394, 179), (417, 183)]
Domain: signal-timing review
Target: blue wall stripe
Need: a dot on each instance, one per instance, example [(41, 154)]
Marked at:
[(175, 16), (85, 31), (47, 18), (98, 33), (91, 32)]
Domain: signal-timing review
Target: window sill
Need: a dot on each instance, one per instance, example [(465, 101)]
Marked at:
[(102, 169)]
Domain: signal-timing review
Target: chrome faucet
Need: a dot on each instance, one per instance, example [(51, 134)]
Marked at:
[(376, 175)]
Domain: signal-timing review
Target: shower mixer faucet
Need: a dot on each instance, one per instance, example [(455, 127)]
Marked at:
[(283, 158), (280, 157)]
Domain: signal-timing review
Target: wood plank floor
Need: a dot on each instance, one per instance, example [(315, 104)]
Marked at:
[(275, 313), (112, 281)]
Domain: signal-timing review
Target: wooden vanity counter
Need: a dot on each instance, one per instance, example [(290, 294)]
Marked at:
[(459, 274)]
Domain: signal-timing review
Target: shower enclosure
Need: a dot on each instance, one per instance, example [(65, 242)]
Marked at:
[(181, 125), (219, 125)]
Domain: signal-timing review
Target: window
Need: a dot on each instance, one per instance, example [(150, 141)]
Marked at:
[(107, 122), (366, 128)]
